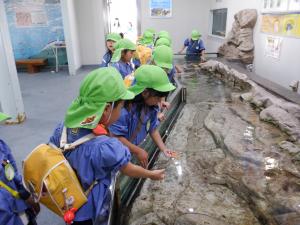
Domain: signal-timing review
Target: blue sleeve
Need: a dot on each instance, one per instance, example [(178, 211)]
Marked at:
[(55, 138), (105, 60), (112, 156), (154, 122), (171, 75), (117, 66), (186, 42), (121, 126), (201, 45)]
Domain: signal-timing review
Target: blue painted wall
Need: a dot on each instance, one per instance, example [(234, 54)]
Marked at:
[(30, 40)]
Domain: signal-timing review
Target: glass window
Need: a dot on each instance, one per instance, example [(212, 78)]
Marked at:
[(219, 18)]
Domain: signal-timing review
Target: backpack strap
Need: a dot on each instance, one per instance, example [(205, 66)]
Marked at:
[(65, 146), (13, 192)]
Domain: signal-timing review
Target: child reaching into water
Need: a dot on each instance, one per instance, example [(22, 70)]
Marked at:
[(139, 116), (99, 104)]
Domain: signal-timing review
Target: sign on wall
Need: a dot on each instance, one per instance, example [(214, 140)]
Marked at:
[(273, 47), (286, 25), (161, 8)]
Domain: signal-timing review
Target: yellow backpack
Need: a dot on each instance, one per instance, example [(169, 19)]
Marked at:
[(143, 53), (51, 180)]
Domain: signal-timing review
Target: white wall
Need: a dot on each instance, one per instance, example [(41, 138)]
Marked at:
[(91, 30), (10, 94), (281, 71), (71, 35), (187, 15)]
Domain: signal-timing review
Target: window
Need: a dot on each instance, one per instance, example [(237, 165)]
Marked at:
[(219, 18)]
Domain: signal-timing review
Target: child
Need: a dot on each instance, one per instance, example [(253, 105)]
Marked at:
[(139, 116), (147, 39), (111, 39), (121, 60), (162, 41), (102, 94), (195, 47), (163, 57), (16, 205)]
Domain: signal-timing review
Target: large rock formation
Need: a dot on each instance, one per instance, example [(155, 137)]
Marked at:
[(239, 42), (273, 109), (234, 168)]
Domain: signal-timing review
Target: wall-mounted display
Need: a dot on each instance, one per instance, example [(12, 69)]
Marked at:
[(161, 8), (273, 47), (286, 25)]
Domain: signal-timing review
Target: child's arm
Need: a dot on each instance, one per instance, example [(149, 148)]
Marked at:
[(132, 170), (155, 135), (140, 153), (181, 50)]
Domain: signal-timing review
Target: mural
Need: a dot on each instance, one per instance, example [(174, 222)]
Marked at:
[(35, 26)]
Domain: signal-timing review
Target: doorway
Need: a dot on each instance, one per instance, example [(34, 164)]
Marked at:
[(123, 18)]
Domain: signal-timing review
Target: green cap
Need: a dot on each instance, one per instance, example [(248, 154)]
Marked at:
[(4, 116), (164, 34), (99, 87), (163, 57), (113, 37), (150, 76), (151, 30), (163, 41), (121, 45), (147, 38), (195, 35)]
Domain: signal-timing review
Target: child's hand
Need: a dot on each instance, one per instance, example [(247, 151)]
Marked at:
[(170, 154), (157, 174), (165, 105), (161, 116)]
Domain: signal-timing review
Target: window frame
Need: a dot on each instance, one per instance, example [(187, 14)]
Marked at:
[(212, 22)]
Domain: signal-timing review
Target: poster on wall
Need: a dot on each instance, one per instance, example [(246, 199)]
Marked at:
[(273, 47), (294, 5), (160, 8), (30, 13), (285, 25)]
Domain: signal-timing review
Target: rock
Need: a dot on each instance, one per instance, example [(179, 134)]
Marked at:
[(283, 119), (239, 43), (246, 18), (289, 147)]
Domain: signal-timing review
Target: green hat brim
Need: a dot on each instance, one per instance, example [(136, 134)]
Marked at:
[(93, 113), (164, 65), (138, 89), (4, 117)]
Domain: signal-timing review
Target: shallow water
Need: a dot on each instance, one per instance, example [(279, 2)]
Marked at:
[(231, 169)]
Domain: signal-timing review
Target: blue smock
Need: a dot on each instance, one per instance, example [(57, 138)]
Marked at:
[(194, 48), (10, 207), (106, 59), (124, 68), (128, 123), (171, 75), (98, 159)]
